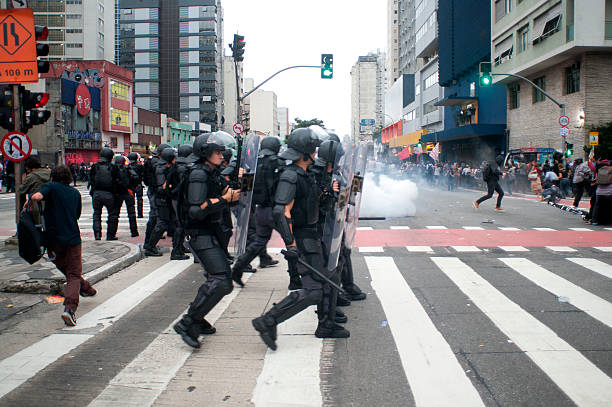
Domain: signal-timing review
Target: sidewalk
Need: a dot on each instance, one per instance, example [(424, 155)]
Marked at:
[(100, 260)]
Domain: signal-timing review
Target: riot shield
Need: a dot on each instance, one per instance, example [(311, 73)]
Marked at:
[(248, 163), (352, 218), (335, 219)]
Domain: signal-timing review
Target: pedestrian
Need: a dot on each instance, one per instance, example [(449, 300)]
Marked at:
[(102, 179), (73, 172), (35, 178), (534, 179), (582, 178), (603, 200), (63, 237), (124, 192), (137, 188), (296, 214), (492, 175), (206, 195)]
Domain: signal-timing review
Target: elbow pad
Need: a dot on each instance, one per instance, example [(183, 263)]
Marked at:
[(283, 224)]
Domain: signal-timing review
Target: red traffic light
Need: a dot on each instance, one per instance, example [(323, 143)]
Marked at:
[(41, 99), (41, 32)]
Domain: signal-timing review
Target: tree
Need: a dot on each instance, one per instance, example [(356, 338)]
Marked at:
[(604, 149), (305, 123)]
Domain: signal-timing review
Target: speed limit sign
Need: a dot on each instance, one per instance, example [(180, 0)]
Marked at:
[(564, 121), (238, 128)]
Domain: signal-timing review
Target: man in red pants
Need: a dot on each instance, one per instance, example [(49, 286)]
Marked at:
[(63, 237)]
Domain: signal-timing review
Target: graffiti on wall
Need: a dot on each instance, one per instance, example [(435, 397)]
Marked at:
[(90, 77)]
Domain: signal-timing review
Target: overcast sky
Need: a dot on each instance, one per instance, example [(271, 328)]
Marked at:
[(280, 33)]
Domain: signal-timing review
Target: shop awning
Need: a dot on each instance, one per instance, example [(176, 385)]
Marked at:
[(407, 139), (454, 100)]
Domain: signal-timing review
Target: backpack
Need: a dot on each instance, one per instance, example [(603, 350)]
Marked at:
[(182, 201), (103, 177), (604, 175), (266, 180), (30, 237), (487, 172), (124, 177), (134, 178), (149, 172)]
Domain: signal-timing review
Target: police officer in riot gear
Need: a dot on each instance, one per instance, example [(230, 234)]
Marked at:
[(149, 180), (102, 178), (162, 201), (296, 212), (207, 194), (124, 192), (138, 168), (176, 177)]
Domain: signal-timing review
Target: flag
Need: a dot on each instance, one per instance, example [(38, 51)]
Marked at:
[(435, 152)]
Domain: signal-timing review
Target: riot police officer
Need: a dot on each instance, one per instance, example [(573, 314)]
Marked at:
[(207, 195), (102, 178), (149, 180), (176, 177), (138, 168), (296, 212), (124, 192), (162, 201)]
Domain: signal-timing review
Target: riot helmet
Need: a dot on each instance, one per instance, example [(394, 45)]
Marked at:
[(334, 136), (499, 159), (119, 160), (160, 148), (202, 149), (222, 138), (106, 155), (133, 157), (167, 155), (320, 132), (302, 142), (228, 153), (184, 150), (327, 152), (270, 145)]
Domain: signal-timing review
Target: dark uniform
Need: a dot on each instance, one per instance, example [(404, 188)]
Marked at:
[(492, 175), (202, 226), (149, 181), (124, 193), (176, 177), (299, 232), (102, 178), (162, 201), (138, 168)]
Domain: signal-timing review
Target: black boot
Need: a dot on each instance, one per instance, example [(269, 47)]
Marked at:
[(178, 255), (152, 252), (249, 269), (237, 276), (206, 328), (266, 326), (341, 318), (328, 329), (354, 292), (342, 301), (265, 260), (295, 283), (189, 331)]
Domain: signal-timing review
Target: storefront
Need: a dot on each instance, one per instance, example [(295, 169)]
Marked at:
[(527, 155)]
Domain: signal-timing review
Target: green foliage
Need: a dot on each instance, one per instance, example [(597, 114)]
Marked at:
[(604, 149), (305, 123)]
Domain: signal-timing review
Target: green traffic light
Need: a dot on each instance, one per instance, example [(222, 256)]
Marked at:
[(327, 66), (485, 80)]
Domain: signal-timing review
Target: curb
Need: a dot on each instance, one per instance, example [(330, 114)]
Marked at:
[(51, 286)]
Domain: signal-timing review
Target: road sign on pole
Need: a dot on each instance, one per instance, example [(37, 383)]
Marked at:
[(18, 59), (564, 121), (564, 131), (238, 128), (16, 146), (594, 138)]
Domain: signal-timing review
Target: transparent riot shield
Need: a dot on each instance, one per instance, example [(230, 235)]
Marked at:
[(335, 219), (352, 219), (248, 163)]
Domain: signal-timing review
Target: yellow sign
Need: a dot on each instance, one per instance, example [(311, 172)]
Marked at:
[(593, 138), (17, 46)]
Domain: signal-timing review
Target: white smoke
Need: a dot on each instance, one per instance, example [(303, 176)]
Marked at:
[(387, 197)]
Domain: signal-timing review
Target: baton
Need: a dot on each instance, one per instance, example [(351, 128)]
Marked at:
[(318, 273)]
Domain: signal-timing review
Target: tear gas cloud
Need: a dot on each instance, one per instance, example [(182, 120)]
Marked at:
[(383, 196)]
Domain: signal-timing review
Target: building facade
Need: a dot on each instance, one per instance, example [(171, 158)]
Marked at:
[(284, 128), (566, 49), (175, 49), (150, 130), (367, 95), (393, 42), (179, 133), (78, 29), (262, 110), (230, 105), (407, 57)]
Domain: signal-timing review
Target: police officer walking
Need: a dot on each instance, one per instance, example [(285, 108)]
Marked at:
[(102, 179), (207, 195), (124, 192), (162, 201), (149, 181), (138, 168), (296, 212), (176, 177)]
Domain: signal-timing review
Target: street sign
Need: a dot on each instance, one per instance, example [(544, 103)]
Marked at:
[(18, 61), (16, 146), (19, 4), (238, 128), (594, 138), (563, 121), (564, 131)]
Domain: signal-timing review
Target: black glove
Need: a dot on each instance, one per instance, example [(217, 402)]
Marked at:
[(291, 254)]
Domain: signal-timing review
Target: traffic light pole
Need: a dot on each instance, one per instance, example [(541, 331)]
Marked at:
[(17, 166), (240, 99)]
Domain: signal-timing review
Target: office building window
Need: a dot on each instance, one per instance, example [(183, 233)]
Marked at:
[(572, 78), (537, 95), (515, 95), (547, 24), (523, 38), (411, 115), (417, 89), (74, 45), (120, 90), (431, 80), (508, 6), (503, 50), (73, 16), (419, 8), (430, 106)]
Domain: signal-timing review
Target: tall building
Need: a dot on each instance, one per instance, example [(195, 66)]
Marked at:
[(78, 29), (393, 39), (262, 110), (230, 112), (406, 39), (367, 95), (283, 122), (175, 48), (564, 47)]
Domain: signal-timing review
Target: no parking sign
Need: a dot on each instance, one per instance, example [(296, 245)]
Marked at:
[(16, 146)]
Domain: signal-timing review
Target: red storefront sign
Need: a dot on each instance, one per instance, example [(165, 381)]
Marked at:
[(82, 99)]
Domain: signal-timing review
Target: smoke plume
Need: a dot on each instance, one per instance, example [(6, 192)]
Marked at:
[(388, 197)]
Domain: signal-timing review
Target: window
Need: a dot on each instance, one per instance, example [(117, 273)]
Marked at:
[(113, 141), (523, 38), (537, 95), (120, 90), (417, 89), (431, 80), (419, 9), (120, 117), (411, 115), (503, 50), (74, 31), (500, 9), (515, 95), (73, 16), (508, 6), (547, 24), (430, 106), (74, 45), (572, 78)]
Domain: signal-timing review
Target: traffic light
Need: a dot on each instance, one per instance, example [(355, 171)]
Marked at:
[(6, 108), (42, 50), (569, 149), (237, 47), (327, 66), (485, 78), (31, 102)]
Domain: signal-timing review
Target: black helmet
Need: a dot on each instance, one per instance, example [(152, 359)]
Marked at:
[(106, 155), (228, 153), (270, 145), (119, 160), (184, 150), (222, 138), (167, 155), (327, 152), (320, 132), (202, 149), (333, 136), (160, 148), (499, 159), (301, 142), (133, 157)]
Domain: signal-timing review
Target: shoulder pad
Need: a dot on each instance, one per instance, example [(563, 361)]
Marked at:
[(197, 174), (289, 176)]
